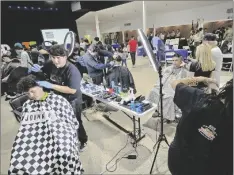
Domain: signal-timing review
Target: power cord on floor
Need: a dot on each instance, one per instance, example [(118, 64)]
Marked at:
[(126, 155)]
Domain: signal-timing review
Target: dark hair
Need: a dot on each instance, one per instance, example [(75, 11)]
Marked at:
[(230, 26), (57, 50), (118, 59), (26, 83), (225, 93), (54, 42), (178, 55), (200, 29), (86, 40), (132, 36), (96, 39)]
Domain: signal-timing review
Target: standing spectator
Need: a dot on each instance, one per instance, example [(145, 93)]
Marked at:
[(217, 55), (154, 42), (228, 35), (82, 43), (178, 33), (173, 34), (23, 55), (161, 48), (132, 48)]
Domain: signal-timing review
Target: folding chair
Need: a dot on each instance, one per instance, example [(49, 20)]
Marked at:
[(17, 104)]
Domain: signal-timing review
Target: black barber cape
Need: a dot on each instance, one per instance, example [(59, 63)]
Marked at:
[(47, 141), (203, 140), (122, 75)]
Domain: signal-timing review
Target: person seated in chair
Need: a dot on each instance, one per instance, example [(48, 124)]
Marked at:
[(170, 73), (48, 130), (120, 76)]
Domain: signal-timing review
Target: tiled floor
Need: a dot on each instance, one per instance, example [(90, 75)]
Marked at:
[(104, 139)]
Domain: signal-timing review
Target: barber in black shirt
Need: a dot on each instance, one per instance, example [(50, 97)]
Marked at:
[(203, 142), (64, 79)]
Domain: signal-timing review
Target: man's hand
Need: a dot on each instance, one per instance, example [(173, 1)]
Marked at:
[(182, 64), (45, 84), (110, 64)]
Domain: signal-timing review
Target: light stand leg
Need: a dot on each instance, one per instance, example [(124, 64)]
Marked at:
[(162, 136)]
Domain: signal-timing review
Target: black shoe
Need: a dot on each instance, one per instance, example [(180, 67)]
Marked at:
[(82, 146)]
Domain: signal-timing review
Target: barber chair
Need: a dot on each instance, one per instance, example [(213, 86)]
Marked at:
[(9, 86), (17, 104)]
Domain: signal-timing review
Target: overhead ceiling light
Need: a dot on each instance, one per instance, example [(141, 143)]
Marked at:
[(25, 7), (51, 8), (9, 6), (38, 8), (18, 7), (50, 2), (32, 7)]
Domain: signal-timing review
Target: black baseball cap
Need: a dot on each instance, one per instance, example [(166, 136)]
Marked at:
[(210, 37)]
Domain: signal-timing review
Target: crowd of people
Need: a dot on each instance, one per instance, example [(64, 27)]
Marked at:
[(52, 80)]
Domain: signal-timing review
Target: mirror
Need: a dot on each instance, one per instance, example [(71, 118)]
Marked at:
[(69, 43)]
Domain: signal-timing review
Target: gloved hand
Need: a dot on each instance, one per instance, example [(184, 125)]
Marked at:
[(110, 64), (45, 84), (35, 68)]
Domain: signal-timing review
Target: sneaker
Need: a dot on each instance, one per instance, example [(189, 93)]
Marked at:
[(82, 146)]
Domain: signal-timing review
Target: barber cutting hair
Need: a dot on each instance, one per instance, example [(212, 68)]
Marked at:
[(94, 66), (64, 79)]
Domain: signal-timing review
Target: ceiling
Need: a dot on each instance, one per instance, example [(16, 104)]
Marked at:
[(62, 6), (133, 10)]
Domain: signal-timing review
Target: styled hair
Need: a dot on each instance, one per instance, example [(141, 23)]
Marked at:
[(96, 39), (57, 50), (226, 94), (26, 83), (204, 57), (178, 55)]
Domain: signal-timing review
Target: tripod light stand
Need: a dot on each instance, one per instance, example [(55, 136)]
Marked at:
[(157, 67)]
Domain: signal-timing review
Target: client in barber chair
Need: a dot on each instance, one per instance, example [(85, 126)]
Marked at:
[(47, 141), (173, 72), (121, 76)]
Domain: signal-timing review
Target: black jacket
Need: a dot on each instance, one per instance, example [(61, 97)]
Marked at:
[(122, 75)]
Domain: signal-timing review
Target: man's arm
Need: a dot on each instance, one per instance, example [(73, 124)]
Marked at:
[(106, 53)]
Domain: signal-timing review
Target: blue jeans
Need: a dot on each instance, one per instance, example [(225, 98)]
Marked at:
[(124, 62)]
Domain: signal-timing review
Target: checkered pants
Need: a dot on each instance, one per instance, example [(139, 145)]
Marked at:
[(47, 146)]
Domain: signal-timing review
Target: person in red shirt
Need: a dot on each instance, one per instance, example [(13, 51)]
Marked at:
[(132, 48)]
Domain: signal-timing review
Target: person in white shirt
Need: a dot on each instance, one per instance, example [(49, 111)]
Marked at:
[(216, 54), (23, 55), (82, 43)]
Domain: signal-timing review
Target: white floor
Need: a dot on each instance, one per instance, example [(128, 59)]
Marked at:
[(104, 139)]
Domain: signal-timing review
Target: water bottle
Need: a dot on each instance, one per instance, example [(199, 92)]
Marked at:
[(112, 84), (132, 105), (119, 88)]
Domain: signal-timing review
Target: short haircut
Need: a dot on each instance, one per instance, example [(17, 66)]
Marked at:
[(96, 39), (178, 55), (26, 83), (57, 50), (132, 36)]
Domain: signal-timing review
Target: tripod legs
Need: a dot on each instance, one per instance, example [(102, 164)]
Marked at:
[(161, 138)]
